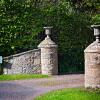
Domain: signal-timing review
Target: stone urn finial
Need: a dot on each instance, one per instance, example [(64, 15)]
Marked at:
[(96, 32), (48, 31)]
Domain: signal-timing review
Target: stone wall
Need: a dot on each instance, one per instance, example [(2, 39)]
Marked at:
[(27, 62)]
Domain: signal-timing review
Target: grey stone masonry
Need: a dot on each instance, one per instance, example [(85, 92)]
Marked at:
[(92, 61), (49, 57), (23, 63)]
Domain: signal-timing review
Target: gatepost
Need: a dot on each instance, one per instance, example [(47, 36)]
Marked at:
[(49, 57)]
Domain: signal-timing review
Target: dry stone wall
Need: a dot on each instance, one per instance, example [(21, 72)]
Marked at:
[(27, 62)]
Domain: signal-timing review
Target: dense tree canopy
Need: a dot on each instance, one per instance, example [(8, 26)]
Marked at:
[(22, 22)]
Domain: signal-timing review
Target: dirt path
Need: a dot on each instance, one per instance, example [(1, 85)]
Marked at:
[(29, 89)]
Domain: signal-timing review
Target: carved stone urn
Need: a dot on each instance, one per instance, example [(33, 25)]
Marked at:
[(92, 61)]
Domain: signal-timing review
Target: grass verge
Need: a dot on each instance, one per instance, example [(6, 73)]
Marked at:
[(71, 94), (21, 77)]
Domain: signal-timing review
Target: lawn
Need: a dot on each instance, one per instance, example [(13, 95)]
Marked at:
[(71, 94), (21, 77)]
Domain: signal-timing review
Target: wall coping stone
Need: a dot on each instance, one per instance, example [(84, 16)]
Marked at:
[(19, 54)]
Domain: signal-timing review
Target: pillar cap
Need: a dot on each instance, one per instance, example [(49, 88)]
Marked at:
[(93, 48), (47, 42)]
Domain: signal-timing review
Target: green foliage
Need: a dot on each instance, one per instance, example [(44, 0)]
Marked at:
[(18, 26), (96, 19), (86, 6), (22, 22), (73, 39)]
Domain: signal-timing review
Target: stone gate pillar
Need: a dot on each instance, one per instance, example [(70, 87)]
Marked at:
[(49, 57), (92, 61)]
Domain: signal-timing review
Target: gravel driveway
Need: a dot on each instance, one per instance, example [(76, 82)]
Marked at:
[(29, 89)]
